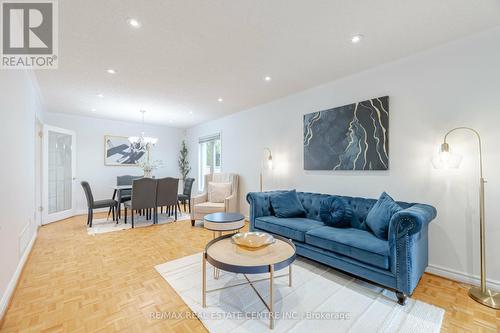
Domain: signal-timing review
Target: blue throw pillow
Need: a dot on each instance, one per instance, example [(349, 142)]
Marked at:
[(379, 216), (287, 204), (335, 212)]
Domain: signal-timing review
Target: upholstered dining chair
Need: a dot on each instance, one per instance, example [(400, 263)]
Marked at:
[(185, 196), (166, 194), (93, 204), (143, 197), (203, 204), (125, 195)]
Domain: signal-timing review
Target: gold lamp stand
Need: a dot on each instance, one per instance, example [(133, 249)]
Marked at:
[(480, 294)]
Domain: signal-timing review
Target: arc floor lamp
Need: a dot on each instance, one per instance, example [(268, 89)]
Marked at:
[(448, 159)]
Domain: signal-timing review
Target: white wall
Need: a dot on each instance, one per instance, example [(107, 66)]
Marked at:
[(430, 93), (90, 151), (19, 104)]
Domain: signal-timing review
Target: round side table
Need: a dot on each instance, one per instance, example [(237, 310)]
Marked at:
[(220, 222)]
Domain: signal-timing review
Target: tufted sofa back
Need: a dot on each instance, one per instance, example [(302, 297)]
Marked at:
[(312, 203)]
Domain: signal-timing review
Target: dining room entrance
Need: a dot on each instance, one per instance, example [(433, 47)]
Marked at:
[(59, 173)]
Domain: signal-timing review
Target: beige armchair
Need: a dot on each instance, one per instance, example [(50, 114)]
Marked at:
[(200, 206)]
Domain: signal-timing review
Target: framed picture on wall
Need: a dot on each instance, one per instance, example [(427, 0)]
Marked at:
[(118, 151), (349, 137)]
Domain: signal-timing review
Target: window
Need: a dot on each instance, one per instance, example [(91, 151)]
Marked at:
[(210, 159)]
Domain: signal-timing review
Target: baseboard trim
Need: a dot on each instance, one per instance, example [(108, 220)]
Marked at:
[(461, 277), (6, 297), (78, 213)]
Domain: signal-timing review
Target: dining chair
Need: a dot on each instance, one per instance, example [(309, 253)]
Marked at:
[(126, 179), (185, 196), (125, 195), (143, 197), (166, 195), (93, 204)]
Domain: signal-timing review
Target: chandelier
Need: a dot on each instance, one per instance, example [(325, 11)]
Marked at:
[(142, 142)]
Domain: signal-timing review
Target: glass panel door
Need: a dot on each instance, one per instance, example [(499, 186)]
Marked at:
[(210, 159), (59, 177), (60, 172)]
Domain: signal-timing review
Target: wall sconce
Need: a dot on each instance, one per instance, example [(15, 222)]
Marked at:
[(269, 164)]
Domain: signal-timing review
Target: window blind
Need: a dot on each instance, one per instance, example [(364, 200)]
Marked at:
[(209, 138)]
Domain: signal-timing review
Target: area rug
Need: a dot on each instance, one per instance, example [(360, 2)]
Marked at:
[(320, 300), (101, 226)]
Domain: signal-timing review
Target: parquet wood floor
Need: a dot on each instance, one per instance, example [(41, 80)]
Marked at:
[(73, 282)]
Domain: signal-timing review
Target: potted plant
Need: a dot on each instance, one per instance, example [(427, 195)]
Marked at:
[(184, 167)]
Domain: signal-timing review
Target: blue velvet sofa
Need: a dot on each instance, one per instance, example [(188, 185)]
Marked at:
[(396, 263)]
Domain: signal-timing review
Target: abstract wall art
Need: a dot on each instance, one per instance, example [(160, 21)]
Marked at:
[(350, 137), (119, 151)]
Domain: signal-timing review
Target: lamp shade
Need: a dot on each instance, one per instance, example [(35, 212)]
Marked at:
[(134, 139), (149, 140), (446, 159), (270, 163), (142, 141)]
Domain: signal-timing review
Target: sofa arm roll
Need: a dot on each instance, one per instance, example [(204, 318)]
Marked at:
[(203, 197), (409, 221), (260, 205), (408, 242)]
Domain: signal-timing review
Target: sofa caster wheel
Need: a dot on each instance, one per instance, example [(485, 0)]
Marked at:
[(192, 223), (401, 298)]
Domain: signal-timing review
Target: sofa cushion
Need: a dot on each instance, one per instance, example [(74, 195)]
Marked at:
[(209, 207), (335, 212), (218, 192), (287, 204), (379, 216), (294, 228), (354, 243)]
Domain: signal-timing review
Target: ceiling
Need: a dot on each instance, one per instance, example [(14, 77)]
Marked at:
[(190, 53)]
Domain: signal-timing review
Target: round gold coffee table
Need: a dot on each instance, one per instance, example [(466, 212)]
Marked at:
[(229, 257)]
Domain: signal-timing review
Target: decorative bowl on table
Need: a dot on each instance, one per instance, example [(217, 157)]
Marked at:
[(252, 239)]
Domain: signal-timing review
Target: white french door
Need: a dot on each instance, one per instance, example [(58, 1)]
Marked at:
[(59, 157), (209, 159)]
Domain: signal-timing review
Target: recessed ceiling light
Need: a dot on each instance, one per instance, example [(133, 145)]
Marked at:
[(356, 38), (220, 100), (190, 112), (134, 23), (100, 95), (93, 110), (267, 78), (111, 71)]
